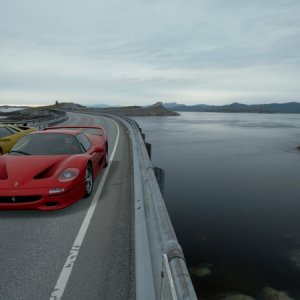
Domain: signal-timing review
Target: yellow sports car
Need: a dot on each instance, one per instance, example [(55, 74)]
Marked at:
[(10, 134)]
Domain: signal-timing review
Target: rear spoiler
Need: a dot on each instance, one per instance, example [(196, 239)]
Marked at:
[(76, 127)]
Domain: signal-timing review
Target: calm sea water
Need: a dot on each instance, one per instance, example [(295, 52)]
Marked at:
[(233, 195)]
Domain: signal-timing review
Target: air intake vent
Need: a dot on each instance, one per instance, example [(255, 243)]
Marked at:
[(45, 174), (19, 199)]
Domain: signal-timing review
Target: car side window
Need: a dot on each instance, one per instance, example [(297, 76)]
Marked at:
[(4, 132), (84, 141)]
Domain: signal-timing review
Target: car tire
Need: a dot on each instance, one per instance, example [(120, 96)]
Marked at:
[(88, 180), (106, 157), (1, 151)]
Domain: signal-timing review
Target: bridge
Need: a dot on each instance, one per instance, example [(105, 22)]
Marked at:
[(117, 244)]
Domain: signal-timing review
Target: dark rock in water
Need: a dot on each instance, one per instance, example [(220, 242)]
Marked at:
[(272, 294), (298, 147), (295, 258)]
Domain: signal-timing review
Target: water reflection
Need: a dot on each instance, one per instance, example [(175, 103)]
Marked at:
[(232, 192)]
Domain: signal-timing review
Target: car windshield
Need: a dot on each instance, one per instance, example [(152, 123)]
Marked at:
[(47, 144)]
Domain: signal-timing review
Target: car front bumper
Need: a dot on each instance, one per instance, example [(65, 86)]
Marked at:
[(11, 199)]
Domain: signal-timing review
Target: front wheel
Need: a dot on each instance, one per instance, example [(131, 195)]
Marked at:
[(88, 180)]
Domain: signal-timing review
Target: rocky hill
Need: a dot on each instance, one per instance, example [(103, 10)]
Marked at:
[(154, 110), (44, 111), (68, 106)]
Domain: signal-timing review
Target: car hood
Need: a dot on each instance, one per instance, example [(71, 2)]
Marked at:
[(32, 171)]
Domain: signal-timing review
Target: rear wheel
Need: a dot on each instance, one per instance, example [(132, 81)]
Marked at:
[(88, 180), (1, 151)]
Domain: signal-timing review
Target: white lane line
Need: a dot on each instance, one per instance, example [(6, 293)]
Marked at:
[(67, 269)]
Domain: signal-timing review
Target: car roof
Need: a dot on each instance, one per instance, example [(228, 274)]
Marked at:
[(64, 131)]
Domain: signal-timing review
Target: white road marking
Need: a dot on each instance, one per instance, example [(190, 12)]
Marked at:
[(67, 269)]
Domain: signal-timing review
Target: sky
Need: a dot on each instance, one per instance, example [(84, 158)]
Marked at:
[(138, 52)]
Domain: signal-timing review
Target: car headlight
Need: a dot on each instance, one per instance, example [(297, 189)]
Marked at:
[(68, 174)]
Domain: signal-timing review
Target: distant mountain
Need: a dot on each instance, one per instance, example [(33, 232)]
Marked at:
[(68, 106), (170, 105), (290, 108)]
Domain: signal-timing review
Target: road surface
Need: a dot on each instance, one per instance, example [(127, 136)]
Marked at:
[(39, 253)]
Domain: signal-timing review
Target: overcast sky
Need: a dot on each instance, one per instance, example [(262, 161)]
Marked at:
[(141, 51)]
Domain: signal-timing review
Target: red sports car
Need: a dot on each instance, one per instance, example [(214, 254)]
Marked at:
[(53, 168)]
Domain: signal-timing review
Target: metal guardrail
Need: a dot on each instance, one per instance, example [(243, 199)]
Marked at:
[(52, 122), (161, 271), (41, 123)]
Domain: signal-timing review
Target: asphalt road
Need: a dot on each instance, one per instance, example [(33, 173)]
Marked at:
[(40, 257)]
